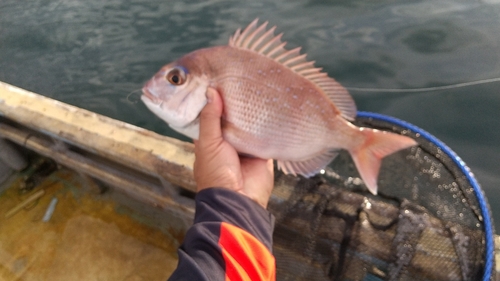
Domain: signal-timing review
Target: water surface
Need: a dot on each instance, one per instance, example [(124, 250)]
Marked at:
[(92, 54)]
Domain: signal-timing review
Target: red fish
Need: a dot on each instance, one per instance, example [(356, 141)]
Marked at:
[(276, 105)]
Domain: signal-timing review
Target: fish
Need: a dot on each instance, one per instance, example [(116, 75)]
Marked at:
[(277, 105)]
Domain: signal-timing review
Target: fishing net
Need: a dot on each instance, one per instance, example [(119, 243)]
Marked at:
[(430, 220)]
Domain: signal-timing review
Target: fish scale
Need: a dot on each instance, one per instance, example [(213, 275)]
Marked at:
[(289, 125), (276, 105), (277, 90)]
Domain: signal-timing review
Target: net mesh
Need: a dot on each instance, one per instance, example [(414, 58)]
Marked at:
[(425, 224)]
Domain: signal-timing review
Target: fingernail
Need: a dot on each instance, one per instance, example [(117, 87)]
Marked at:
[(210, 96)]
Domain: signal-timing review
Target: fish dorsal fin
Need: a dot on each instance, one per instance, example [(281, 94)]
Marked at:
[(338, 95), (263, 41)]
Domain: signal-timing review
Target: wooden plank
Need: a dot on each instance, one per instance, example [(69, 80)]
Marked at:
[(137, 185), (161, 156)]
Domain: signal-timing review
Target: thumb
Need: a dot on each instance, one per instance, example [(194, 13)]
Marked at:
[(210, 124)]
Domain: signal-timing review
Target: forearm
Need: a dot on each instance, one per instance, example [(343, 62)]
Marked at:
[(231, 237)]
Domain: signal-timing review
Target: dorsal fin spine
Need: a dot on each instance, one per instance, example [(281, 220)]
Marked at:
[(275, 40), (300, 66), (314, 76), (323, 80), (254, 34), (232, 39), (310, 70), (323, 84), (257, 42), (293, 55), (276, 50), (249, 28), (298, 59), (286, 54)]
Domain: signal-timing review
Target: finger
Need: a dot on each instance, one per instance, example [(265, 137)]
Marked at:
[(270, 166), (258, 177), (210, 124), (268, 163), (257, 167)]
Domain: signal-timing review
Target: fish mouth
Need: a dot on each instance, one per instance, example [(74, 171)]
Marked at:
[(147, 94)]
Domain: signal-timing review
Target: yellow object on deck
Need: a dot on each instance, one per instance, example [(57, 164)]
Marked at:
[(91, 236)]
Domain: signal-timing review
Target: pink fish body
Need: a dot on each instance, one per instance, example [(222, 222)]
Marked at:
[(276, 105)]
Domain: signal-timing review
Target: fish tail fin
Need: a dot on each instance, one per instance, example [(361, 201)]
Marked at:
[(377, 145)]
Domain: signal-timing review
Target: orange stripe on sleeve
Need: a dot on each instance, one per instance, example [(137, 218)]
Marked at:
[(246, 258)]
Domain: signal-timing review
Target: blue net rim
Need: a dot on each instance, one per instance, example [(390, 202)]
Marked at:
[(483, 203)]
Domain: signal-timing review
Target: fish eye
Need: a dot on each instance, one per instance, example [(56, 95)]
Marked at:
[(176, 77)]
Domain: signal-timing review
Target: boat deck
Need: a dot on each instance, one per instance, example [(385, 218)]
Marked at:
[(90, 233)]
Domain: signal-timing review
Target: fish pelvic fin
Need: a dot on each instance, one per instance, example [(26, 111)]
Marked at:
[(258, 39), (308, 167), (377, 145)]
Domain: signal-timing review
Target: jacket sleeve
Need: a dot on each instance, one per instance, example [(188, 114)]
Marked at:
[(231, 239)]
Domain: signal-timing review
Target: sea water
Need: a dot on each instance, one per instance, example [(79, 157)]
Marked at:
[(97, 55)]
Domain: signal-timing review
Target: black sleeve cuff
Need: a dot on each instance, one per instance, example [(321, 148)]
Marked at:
[(224, 205)]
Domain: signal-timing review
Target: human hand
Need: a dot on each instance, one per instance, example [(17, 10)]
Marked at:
[(217, 163)]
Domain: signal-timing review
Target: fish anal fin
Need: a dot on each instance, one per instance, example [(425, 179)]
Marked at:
[(377, 145), (308, 167)]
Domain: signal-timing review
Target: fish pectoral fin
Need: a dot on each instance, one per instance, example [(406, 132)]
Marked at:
[(308, 167)]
